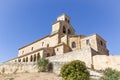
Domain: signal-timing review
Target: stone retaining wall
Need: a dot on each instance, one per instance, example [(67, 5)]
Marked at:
[(18, 67), (102, 62), (84, 55), (57, 61)]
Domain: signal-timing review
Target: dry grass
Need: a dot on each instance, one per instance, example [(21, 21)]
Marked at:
[(30, 76)]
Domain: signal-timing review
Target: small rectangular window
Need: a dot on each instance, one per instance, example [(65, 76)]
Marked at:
[(22, 52), (42, 43), (31, 48)]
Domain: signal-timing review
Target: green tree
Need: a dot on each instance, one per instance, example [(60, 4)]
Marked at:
[(110, 74), (42, 64), (75, 70)]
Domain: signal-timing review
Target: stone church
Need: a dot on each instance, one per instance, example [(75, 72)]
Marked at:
[(64, 45), (61, 40)]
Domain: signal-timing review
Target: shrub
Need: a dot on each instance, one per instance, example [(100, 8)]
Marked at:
[(9, 79), (26, 71), (3, 70), (15, 71), (75, 70), (42, 65), (110, 74)]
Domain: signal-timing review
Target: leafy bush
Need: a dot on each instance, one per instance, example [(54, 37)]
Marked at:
[(15, 71), (9, 79), (42, 65), (3, 70), (26, 71), (110, 74), (75, 70)]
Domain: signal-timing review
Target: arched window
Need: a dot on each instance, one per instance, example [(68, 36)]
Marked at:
[(69, 31), (73, 45), (47, 45), (64, 29)]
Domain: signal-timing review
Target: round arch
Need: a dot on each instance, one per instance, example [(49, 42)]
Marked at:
[(64, 29), (19, 60), (47, 55), (31, 58), (34, 57), (26, 59), (38, 56), (23, 59), (73, 45)]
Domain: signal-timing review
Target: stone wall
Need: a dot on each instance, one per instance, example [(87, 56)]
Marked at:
[(82, 55), (91, 58), (18, 67), (102, 62), (57, 61), (96, 42)]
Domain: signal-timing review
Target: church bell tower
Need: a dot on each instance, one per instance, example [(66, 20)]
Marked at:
[(62, 25)]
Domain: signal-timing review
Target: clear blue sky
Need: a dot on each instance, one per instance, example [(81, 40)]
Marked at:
[(24, 21)]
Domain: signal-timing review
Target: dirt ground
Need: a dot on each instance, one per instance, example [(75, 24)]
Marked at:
[(30, 76)]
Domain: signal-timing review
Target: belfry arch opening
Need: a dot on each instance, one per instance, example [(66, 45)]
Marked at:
[(64, 29), (69, 32)]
